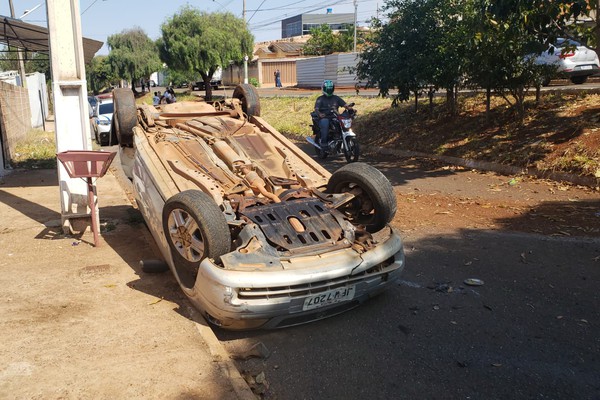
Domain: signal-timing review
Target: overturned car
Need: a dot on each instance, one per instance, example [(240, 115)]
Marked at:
[(256, 232)]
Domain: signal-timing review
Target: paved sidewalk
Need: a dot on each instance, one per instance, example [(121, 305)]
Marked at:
[(83, 322)]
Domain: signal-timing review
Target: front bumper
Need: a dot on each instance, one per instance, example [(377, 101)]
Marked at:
[(104, 134), (581, 70), (240, 300)]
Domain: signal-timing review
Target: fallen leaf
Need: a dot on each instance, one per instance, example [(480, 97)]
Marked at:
[(523, 258), (260, 378), (155, 301), (560, 317), (496, 365)]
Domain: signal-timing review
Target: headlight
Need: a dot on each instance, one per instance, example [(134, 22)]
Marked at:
[(103, 122)]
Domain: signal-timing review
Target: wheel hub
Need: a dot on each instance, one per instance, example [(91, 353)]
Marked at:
[(184, 236)]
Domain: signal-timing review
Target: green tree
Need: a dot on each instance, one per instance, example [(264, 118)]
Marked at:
[(133, 55), (324, 41), (99, 74), (33, 62), (413, 51), (198, 42)]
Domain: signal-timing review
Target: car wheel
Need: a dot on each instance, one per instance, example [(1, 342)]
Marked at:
[(249, 97), (352, 150), (195, 228), (374, 204), (125, 116), (578, 80), (545, 81)]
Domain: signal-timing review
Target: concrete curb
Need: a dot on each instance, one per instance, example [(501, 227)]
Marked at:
[(494, 167), (226, 365)]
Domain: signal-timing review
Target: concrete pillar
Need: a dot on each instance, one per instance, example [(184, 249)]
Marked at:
[(70, 105)]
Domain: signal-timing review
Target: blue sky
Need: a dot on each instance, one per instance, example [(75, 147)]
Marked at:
[(102, 18)]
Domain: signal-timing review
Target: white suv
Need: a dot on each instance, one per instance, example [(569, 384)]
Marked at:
[(576, 64), (101, 121)]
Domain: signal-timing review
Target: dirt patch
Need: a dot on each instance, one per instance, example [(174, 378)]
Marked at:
[(445, 197), (561, 133)]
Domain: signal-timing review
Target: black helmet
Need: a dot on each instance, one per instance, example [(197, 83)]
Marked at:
[(328, 88)]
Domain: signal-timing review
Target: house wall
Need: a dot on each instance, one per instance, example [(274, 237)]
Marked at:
[(287, 70), (234, 74), (15, 117)]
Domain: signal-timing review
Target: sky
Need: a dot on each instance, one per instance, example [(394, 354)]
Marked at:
[(102, 18)]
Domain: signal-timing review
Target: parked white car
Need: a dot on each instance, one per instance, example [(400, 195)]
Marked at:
[(257, 233), (102, 114), (571, 59)]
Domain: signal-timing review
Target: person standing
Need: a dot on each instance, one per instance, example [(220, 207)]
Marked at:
[(277, 78)]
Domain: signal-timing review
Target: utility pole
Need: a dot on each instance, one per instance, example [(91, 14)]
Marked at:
[(246, 55), (355, 13), (19, 55)]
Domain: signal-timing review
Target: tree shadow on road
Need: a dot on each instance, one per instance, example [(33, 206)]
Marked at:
[(558, 218)]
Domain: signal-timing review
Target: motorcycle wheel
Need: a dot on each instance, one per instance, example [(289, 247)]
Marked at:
[(351, 151)]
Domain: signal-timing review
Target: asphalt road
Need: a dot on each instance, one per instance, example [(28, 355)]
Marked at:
[(530, 332)]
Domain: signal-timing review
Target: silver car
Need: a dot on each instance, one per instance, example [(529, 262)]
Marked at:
[(571, 59), (256, 232)]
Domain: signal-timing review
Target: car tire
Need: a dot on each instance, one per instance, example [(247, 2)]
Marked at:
[(249, 98), (578, 80), (375, 203), (545, 81), (195, 228), (125, 116)]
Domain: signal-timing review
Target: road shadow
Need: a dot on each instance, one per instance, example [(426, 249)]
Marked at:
[(398, 170), (558, 218), (433, 334)]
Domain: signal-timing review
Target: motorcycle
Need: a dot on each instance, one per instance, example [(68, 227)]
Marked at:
[(341, 137)]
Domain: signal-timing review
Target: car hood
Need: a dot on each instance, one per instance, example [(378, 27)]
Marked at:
[(105, 117)]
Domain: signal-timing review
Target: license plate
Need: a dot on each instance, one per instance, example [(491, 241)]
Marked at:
[(586, 67), (328, 298)]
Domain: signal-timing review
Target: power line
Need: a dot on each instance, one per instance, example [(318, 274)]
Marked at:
[(88, 7), (305, 10), (263, 2)]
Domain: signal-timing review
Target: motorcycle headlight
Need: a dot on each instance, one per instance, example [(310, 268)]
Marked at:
[(103, 122), (347, 123)]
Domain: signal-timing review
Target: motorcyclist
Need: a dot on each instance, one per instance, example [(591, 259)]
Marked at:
[(324, 107)]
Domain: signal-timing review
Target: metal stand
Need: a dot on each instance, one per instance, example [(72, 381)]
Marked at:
[(87, 164)]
